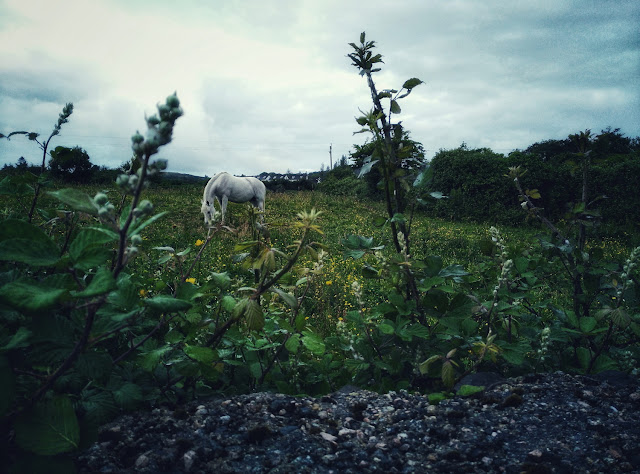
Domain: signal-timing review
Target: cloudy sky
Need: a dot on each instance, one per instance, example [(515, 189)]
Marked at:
[(267, 86)]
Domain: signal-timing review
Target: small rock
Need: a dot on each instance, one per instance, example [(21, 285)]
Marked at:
[(142, 461), (189, 458)]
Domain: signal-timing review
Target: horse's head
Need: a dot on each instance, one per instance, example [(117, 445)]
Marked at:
[(209, 212)]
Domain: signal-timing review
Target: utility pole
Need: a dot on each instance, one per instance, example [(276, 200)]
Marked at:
[(330, 157)]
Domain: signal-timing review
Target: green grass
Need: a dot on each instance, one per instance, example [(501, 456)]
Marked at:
[(330, 296)]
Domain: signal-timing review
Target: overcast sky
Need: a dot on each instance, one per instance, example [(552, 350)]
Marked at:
[(267, 86)]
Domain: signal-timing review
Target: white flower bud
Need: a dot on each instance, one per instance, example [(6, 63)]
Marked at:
[(101, 199)]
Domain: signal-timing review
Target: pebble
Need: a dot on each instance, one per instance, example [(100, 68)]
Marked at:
[(189, 458)]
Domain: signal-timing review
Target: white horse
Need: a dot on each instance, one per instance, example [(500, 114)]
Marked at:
[(224, 187)]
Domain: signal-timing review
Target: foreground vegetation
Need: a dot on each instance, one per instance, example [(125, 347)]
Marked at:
[(117, 297)]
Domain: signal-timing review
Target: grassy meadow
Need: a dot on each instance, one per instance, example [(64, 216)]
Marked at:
[(183, 230), (330, 297)]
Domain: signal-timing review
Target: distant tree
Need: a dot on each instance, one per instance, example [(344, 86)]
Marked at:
[(612, 142), (71, 164), (548, 149), (22, 164)]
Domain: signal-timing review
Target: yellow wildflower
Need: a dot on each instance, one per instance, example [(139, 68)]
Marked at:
[(199, 242), (143, 293), (191, 280)]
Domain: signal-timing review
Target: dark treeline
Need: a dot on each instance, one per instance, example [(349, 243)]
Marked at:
[(477, 188), (473, 180)]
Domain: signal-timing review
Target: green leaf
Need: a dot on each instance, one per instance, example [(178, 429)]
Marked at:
[(453, 271), (432, 282), (102, 282), (138, 225), (167, 304), (228, 303), (395, 107), (128, 395), (17, 340), (468, 390), (288, 298), (399, 218), (354, 254), (424, 366), (221, 280), (433, 265), (30, 295), (205, 355), (150, 359), (76, 200), (27, 251), (355, 365), (313, 342), (587, 324), (126, 296), (366, 168), (521, 263), (584, 357), (448, 374), (437, 397), (88, 238), (620, 318), (411, 83), (254, 316), (293, 344), (386, 327), (49, 428), (251, 311), (23, 242), (418, 330)]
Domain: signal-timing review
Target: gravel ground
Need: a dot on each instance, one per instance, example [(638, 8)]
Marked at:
[(532, 424)]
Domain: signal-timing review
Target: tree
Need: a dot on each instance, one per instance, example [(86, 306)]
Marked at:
[(612, 142), (547, 149), (71, 164)]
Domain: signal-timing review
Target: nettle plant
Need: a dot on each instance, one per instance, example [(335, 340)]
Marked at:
[(598, 326), (84, 335), (427, 314)]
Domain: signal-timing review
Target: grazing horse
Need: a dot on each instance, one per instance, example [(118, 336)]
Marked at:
[(223, 188)]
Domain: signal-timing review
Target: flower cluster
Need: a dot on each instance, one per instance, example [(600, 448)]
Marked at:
[(506, 263), (545, 341), (357, 292), (159, 132), (625, 276)]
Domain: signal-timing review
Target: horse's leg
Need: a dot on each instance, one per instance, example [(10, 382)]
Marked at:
[(223, 206)]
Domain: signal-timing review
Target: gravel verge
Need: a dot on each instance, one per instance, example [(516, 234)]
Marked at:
[(533, 424)]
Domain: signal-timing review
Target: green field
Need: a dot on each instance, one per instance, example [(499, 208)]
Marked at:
[(104, 309), (341, 216)]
